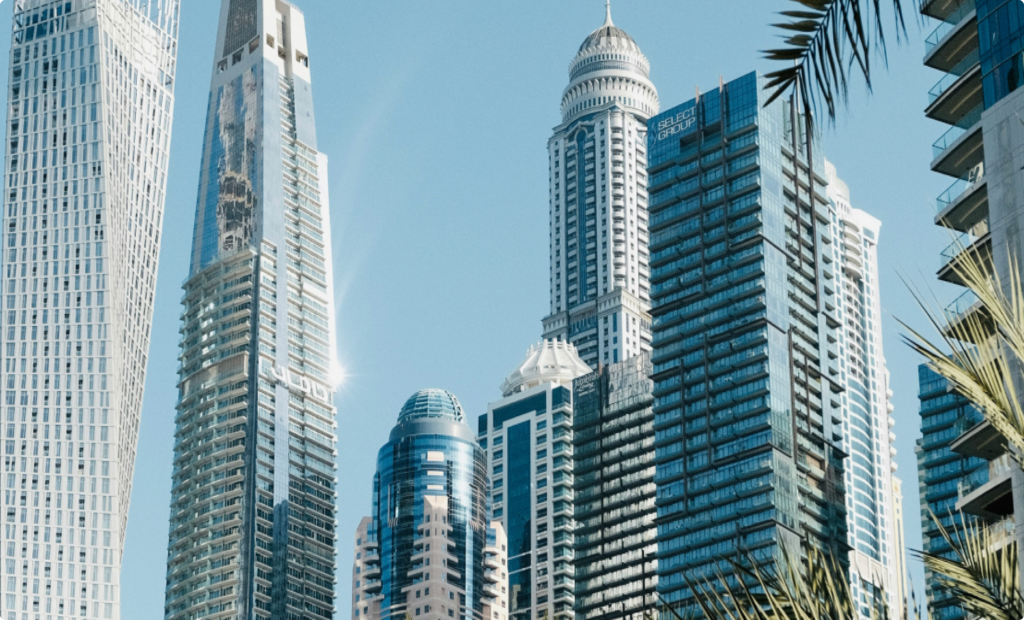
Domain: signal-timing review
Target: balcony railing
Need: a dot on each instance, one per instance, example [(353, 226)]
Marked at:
[(954, 74), (963, 242), (954, 133), (960, 305), (961, 185), (947, 25)]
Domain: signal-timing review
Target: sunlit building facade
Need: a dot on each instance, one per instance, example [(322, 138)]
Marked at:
[(876, 556), (429, 550), (528, 436), (600, 292), (253, 497), (90, 100), (747, 383)]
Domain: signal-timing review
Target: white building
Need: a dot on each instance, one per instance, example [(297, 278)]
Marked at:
[(876, 550), (254, 486), (90, 103), (600, 297), (528, 438)]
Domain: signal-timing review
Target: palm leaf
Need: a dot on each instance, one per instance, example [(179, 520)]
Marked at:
[(983, 577), (824, 41), (981, 353)]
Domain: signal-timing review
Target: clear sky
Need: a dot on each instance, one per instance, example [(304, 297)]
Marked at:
[(436, 117)]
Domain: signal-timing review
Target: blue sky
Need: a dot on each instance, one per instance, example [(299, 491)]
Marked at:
[(436, 117)]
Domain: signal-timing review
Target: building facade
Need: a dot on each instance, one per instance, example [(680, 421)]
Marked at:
[(91, 94), (978, 45), (944, 476), (252, 531), (429, 551), (600, 297), (615, 535), (868, 440), (747, 383), (528, 436)]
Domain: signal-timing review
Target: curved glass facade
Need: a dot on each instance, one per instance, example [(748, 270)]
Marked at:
[(431, 482)]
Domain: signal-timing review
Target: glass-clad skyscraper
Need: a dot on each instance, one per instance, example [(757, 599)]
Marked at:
[(429, 550), (944, 476), (600, 294), (254, 487), (528, 436), (91, 93), (615, 553), (745, 362)]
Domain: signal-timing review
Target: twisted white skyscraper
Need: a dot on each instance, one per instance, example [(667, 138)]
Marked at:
[(600, 295), (89, 121)]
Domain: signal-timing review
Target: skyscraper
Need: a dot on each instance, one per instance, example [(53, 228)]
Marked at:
[(528, 436), (944, 476), (748, 420), (254, 487), (600, 297), (614, 490), (978, 45), (867, 437), (90, 106), (429, 551)]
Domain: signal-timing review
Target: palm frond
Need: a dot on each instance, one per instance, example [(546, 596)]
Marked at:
[(825, 41), (981, 353), (983, 577)]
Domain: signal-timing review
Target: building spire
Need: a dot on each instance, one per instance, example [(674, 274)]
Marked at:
[(608, 13)]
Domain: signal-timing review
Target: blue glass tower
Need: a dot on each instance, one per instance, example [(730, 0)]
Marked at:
[(428, 538), (745, 362), (944, 475), (252, 532)]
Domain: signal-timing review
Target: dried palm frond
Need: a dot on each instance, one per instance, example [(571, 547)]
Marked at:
[(825, 40), (981, 353), (983, 578)]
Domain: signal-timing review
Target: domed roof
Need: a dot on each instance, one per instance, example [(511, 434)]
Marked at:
[(553, 361), (608, 31), (426, 404)]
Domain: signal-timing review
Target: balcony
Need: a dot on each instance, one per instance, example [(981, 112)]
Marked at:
[(961, 147), (967, 245), (964, 306), (963, 242), (964, 204), (941, 9), (956, 93), (993, 499), (982, 441), (953, 39)]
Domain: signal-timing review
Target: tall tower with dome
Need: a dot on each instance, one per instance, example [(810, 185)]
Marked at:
[(600, 291)]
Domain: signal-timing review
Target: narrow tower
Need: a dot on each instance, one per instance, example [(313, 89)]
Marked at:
[(90, 102), (253, 494), (600, 297)]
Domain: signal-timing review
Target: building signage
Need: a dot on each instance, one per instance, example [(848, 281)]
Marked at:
[(677, 124), (295, 381)]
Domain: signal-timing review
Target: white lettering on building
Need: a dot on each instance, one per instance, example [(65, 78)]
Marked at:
[(295, 381), (676, 124)]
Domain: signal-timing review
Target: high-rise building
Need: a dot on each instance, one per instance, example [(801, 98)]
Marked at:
[(252, 531), (616, 536), (600, 296), (979, 47), (944, 476), (91, 93), (900, 543), (748, 415), (429, 551), (528, 436), (867, 437)]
